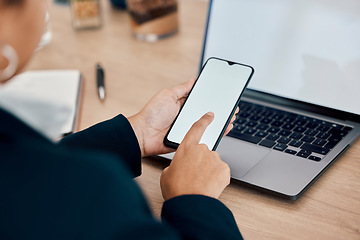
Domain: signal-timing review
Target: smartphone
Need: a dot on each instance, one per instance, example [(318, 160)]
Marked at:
[(217, 89)]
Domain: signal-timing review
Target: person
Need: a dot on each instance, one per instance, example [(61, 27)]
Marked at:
[(82, 187)]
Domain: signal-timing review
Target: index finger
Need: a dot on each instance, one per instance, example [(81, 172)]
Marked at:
[(198, 128)]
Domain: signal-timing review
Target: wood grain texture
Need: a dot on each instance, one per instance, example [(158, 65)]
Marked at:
[(135, 71)]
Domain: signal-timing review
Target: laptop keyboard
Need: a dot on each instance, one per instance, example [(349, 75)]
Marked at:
[(291, 133)]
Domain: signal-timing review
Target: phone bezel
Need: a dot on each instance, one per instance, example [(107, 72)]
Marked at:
[(175, 145)]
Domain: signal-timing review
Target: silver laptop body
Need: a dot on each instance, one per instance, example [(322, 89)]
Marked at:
[(306, 55)]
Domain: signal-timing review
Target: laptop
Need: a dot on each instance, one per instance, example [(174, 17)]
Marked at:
[(301, 110)]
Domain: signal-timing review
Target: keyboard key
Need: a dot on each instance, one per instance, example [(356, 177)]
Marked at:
[(314, 158), (278, 116), (314, 148), (267, 113), (323, 135), (288, 119), (273, 137), (307, 119), (300, 122), (296, 136), (240, 120), (280, 147), (308, 139), (262, 127), (337, 132), (284, 140), (273, 129), (267, 143), (244, 115), (306, 151), (303, 154), (288, 126), (323, 128), (311, 125), (284, 133), (255, 118), (314, 120), (257, 108), (293, 152), (245, 137), (330, 145), (266, 120), (326, 124), (238, 128), (251, 124), (299, 129), (332, 141), (277, 124), (319, 142), (337, 126), (261, 134), (250, 131), (245, 108), (295, 143), (311, 132)]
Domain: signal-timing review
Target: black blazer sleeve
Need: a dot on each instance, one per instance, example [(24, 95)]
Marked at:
[(183, 217), (115, 135), (200, 217), (71, 191)]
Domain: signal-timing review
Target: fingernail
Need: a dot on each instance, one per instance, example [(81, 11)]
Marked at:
[(211, 114)]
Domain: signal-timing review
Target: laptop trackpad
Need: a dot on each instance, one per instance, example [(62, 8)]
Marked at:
[(241, 156)]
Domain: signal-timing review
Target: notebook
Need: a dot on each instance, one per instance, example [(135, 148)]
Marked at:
[(301, 111), (62, 86)]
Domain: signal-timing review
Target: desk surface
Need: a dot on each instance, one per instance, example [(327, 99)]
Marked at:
[(135, 71)]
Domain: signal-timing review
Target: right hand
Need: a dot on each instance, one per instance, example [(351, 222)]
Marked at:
[(195, 169)]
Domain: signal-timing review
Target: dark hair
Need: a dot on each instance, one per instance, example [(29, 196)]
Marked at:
[(11, 2)]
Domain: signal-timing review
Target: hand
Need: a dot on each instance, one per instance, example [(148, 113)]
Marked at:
[(195, 169), (153, 122)]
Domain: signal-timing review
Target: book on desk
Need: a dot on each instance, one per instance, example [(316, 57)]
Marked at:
[(61, 86)]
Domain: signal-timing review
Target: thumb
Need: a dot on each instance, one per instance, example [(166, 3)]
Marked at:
[(183, 90)]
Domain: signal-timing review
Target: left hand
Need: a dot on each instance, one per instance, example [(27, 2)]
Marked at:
[(153, 122)]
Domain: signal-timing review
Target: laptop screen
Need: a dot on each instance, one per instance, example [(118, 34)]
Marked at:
[(306, 50)]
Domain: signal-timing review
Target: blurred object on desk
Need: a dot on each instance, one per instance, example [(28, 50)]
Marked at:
[(86, 14), (62, 1), (152, 20), (120, 4), (60, 88)]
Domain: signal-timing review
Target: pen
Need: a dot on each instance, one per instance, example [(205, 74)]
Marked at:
[(100, 81)]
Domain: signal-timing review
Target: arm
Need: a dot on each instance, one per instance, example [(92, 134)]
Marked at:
[(114, 206), (190, 186), (115, 135)]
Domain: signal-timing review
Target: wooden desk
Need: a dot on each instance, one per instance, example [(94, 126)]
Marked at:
[(135, 71)]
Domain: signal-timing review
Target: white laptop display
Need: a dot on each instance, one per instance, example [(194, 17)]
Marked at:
[(302, 106)]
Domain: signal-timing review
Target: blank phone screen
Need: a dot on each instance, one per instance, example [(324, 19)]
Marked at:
[(218, 90)]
